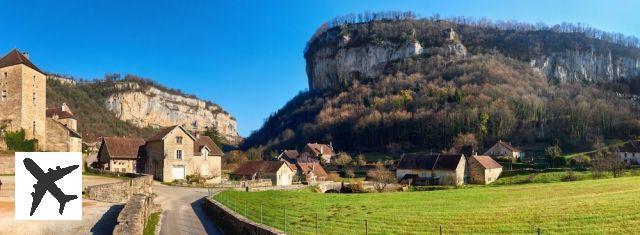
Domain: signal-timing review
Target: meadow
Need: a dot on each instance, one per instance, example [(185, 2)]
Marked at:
[(604, 206)]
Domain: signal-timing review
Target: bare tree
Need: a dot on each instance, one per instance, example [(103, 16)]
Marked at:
[(381, 177), (343, 159), (606, 160)]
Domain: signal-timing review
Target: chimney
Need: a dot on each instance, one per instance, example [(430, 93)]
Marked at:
[(64, 107)]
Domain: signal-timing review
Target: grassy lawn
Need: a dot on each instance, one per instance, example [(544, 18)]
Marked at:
[(150, 229), (606, 206), (608, 144)]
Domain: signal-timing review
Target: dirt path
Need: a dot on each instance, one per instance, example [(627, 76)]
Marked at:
[(182, 210)]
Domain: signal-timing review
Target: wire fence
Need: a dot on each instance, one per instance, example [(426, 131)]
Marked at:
[(297, 220)]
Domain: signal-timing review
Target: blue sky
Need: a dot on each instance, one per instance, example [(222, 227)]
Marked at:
[(244, 55)]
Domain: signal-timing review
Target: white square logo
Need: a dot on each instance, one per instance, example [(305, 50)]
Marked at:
[(48, 186)]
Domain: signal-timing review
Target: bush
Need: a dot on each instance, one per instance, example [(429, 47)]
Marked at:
[(428, 188), (357, 187), (17, 141), (571, 176)]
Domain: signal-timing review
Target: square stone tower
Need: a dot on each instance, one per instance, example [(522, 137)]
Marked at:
[(23, 92)]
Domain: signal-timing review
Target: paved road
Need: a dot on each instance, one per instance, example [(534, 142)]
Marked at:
[(182, 210)]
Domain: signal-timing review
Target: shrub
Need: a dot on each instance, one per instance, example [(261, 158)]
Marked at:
[(17, 141), (333, 176), (357, 187), (570, 176)]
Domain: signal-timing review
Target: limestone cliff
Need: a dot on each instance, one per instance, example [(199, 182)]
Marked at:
[(150, 106), (334, 57)]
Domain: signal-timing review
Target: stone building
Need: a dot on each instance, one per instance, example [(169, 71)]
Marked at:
[(431, 169), (173, 153), (309, 173), (483, 169), (504, 149), (62, 130), (122, 154), (629, 153), (279, 172), (23, 96), (314, 152)]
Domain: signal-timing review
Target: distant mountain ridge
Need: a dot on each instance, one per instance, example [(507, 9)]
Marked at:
[(398, 81)]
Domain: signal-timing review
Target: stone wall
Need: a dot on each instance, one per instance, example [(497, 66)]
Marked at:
[(7, 164), (120, 191), (231, 222), (135, 214)]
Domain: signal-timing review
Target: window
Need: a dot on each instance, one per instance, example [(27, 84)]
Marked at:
[(179, 140), (205, 153), (34, 98), (179, 154), (3, 95)]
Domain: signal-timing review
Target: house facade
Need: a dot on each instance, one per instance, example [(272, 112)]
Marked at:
[(173, 153), (279, 172), (504, 149), (122, 154), (629, 153), (308, 173), (431, 169), (62, 130), (483, 169)]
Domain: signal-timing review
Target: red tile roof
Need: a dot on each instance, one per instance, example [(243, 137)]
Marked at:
[(508, 146), (315, 167), (319, 149), (123, 147), (14, 57), (487, 162), (58, 112), (250, 168), (206, 141), (164, 132)]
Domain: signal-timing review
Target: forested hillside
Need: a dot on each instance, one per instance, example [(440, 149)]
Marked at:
[(494, 90)]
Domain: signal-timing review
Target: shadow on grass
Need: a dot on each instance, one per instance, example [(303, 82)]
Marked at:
[(108, 221)]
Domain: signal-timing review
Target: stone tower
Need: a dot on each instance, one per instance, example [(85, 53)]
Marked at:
[(23, 96)]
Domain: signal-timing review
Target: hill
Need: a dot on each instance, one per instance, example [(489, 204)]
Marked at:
[(134, 106), (418, 83)]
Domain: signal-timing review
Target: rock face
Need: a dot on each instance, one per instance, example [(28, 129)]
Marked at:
[(156, 108), (334, 63), (589, 66)]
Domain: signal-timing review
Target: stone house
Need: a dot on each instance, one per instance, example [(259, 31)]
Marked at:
[(62, 130), (122, 154), (279, 172), (309, 173), (314, 152), (504, 149), (431, 169), (629, 153), (173, 153), (23, 93), (483, 169)]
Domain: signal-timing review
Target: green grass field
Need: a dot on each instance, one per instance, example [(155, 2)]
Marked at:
[(606, 206)]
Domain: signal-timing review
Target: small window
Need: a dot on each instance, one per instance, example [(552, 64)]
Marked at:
[(179, 154), (179, 140)]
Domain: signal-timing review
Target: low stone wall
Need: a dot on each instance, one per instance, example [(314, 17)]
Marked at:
[(120, 191), (7, 164), (231, 222), (134, 216)]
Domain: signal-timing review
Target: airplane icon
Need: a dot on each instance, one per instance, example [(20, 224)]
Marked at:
[(46, 182)]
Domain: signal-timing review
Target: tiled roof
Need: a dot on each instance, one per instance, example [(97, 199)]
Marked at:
[(632, 146), (315, 167), (427, 161), (206, 141), (61, 114), (320, 149), (252, 167), (291, 154), (164, 132), (123, 147), (508, 146), (487, 162), (14, 57)]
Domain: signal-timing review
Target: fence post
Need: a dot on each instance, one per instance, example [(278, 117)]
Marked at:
[(261, 214), (441, 229), (316, 222), (245, 209), (538, 230), (285, 220), (366, 227)]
